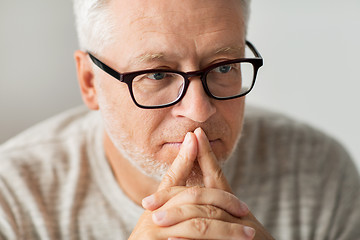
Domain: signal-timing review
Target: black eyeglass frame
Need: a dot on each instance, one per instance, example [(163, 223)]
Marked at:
[(128, 77)]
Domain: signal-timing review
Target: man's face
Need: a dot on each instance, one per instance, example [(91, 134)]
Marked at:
[(184, 35)]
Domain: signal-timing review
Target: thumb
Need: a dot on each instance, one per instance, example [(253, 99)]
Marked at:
[(213, 175), (182, 165)]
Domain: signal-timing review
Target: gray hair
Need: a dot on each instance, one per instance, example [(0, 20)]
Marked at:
[(95, 27)]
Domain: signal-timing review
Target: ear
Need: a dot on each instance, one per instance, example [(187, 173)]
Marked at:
[(85, 77)]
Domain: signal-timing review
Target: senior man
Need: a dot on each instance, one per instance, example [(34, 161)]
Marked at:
[(165, 154)]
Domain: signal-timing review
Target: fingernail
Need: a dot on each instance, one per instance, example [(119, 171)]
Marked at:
[(158, 216), (198, 130), (187, 138), (148, 201), (200, 133), (249, 232)]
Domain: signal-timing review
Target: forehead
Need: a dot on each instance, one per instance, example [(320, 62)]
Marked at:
[(177, 27)]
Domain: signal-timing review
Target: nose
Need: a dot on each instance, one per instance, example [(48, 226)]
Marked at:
[(196, 105)]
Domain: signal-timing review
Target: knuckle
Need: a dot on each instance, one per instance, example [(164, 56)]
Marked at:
[(211, 211), (170, 177), (201, 225), (167, 191), (195, 193), (217, 177), (179, 212)]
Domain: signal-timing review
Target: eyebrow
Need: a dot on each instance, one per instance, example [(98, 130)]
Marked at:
[(148, 57)]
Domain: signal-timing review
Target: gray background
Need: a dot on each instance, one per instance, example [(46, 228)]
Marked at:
[(310, 48)]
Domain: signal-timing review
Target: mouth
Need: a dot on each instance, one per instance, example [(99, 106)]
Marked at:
[(178, 144)]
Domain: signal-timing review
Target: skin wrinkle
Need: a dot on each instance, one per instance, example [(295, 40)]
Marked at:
[(143, 18), (238, 51), (139, 19), (213, 32)]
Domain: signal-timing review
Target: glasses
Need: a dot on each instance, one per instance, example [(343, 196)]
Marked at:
[(159, 88)]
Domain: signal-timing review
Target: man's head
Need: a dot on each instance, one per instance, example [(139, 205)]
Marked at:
[(184, 35)]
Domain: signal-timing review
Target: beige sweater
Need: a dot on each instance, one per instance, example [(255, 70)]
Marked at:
[(55, 182)]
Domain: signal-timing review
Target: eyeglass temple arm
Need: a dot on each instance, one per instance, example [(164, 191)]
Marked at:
[(253, 49), (105, 67)]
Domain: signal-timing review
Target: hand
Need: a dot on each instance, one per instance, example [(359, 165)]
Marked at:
[(210, 200), (196, 213), (146, 228), (201, 218)]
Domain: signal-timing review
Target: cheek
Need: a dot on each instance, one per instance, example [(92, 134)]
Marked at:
[(233, 113), (111, 93), (115, 104), (123, 119)]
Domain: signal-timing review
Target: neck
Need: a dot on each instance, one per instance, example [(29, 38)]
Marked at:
[(134, 184)]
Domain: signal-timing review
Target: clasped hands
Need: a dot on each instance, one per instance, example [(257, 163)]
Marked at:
[(211, 212)]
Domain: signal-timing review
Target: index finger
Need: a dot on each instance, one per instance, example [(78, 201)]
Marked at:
[(182, 165), (213, 175)]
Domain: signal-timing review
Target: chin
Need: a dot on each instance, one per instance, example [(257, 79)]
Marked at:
[(157, 169), (195, 177)]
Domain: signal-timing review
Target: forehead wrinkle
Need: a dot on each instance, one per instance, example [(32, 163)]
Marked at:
[(231, 50)]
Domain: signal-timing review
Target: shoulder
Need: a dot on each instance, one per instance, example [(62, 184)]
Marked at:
[(290, 169), (291, 165), (283, 143), (48, 145), (276, 130), (55, 128), (47, 165), (269, 122)]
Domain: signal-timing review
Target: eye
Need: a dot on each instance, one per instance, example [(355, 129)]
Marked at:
[(157, 76), (223, 69)]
